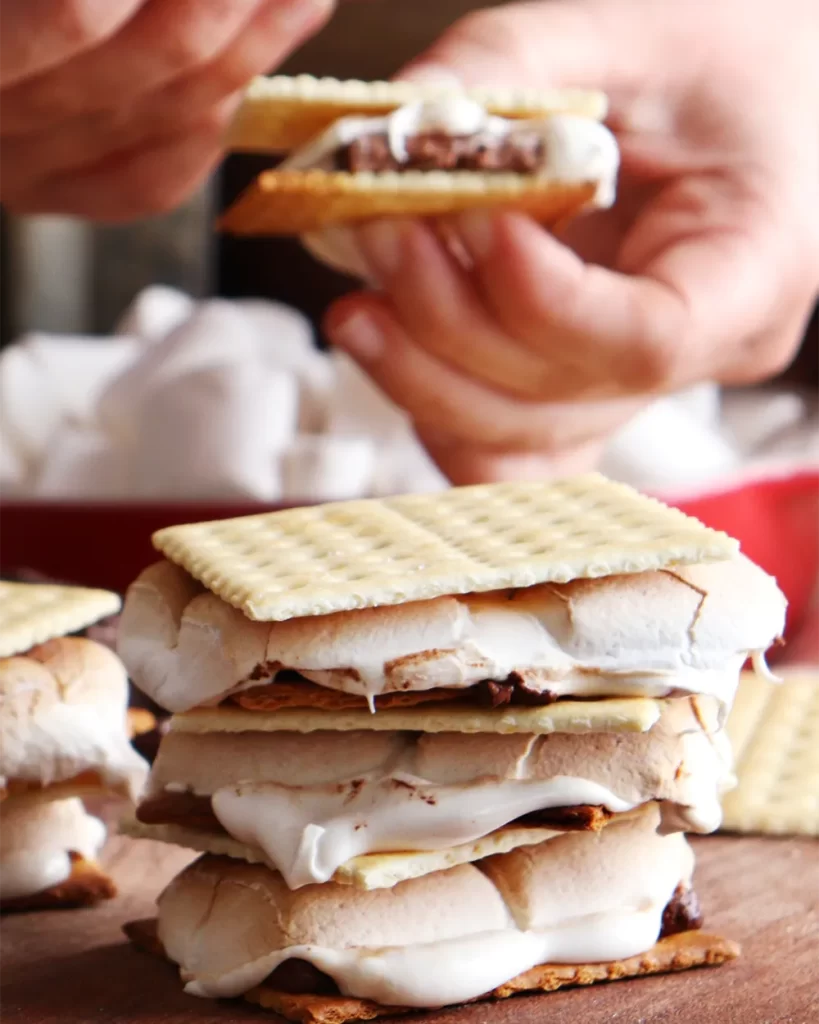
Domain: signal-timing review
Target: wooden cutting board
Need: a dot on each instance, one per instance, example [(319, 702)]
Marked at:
[(74, 967)]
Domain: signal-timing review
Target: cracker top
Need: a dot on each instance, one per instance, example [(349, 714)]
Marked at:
[(362, 554), (31, 613), (281, 113)]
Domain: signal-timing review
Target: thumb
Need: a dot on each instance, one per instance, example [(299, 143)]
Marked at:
[(588, 44)]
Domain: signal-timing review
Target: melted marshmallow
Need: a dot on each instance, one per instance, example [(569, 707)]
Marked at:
[(457, 642), (448, 937), (35, 841), (441, 973), (575, 148), (307, 834)]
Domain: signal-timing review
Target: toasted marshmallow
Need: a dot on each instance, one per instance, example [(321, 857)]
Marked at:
[(308, 804), (647, 634), (444, 938), (64, 721)]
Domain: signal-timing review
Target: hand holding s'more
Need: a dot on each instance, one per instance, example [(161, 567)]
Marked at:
[(64, 735), (437, 749)]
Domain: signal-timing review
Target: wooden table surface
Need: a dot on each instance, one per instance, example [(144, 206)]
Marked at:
[(75, 967)]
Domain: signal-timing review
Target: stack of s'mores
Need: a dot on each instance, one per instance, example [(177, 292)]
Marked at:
[(440, 748), (63, 738)]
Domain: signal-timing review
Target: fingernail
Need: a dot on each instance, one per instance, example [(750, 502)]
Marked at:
[(359, 335), (477, 232), (381, 246)]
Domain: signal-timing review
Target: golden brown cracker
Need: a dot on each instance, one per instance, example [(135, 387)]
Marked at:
[(291, 202), (140, 721), (87, 783), (362, 554)]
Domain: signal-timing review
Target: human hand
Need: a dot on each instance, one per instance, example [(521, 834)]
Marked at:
[(525, 361), (114, 109)]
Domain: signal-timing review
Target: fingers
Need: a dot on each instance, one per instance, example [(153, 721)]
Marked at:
[(50, 169), (438, 306), (150, 179), (565, 43), (531, 318), (165, 39), (462, 463), (603, 332), (451, 409), (161, 41), (38, 34), (80, 142)]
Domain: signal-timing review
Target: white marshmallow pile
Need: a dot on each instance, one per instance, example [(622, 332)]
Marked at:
[(208, 400), (231, 400)]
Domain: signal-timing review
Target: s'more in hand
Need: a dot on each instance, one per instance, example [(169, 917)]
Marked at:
[(354, 151), (440, 748), (64, 735)]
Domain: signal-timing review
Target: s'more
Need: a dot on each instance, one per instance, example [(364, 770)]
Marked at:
[(358, 150), (64, 736), (440, 748)]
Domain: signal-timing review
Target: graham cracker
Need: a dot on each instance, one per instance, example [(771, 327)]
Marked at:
[(31, 613), (680, 952), (774, 732), (139, 721), (369, 871), (625, 714), (86, 885), (362, 554), (303, 694), (291, 202), (87, 783), (282, 113)]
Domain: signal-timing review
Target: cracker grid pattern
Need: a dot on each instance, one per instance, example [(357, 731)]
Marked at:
[(362, 554), (774, 731), (283, 112), (31, 613)]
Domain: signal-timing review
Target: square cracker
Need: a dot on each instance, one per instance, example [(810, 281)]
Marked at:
[(774, 732), (362, 554), (680, 952), (291, 202), (281, 113), (31, 613), (616, 714)]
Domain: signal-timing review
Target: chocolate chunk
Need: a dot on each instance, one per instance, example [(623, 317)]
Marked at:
[(300, 977), (521, 153), (682, 913), (494, 694)]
